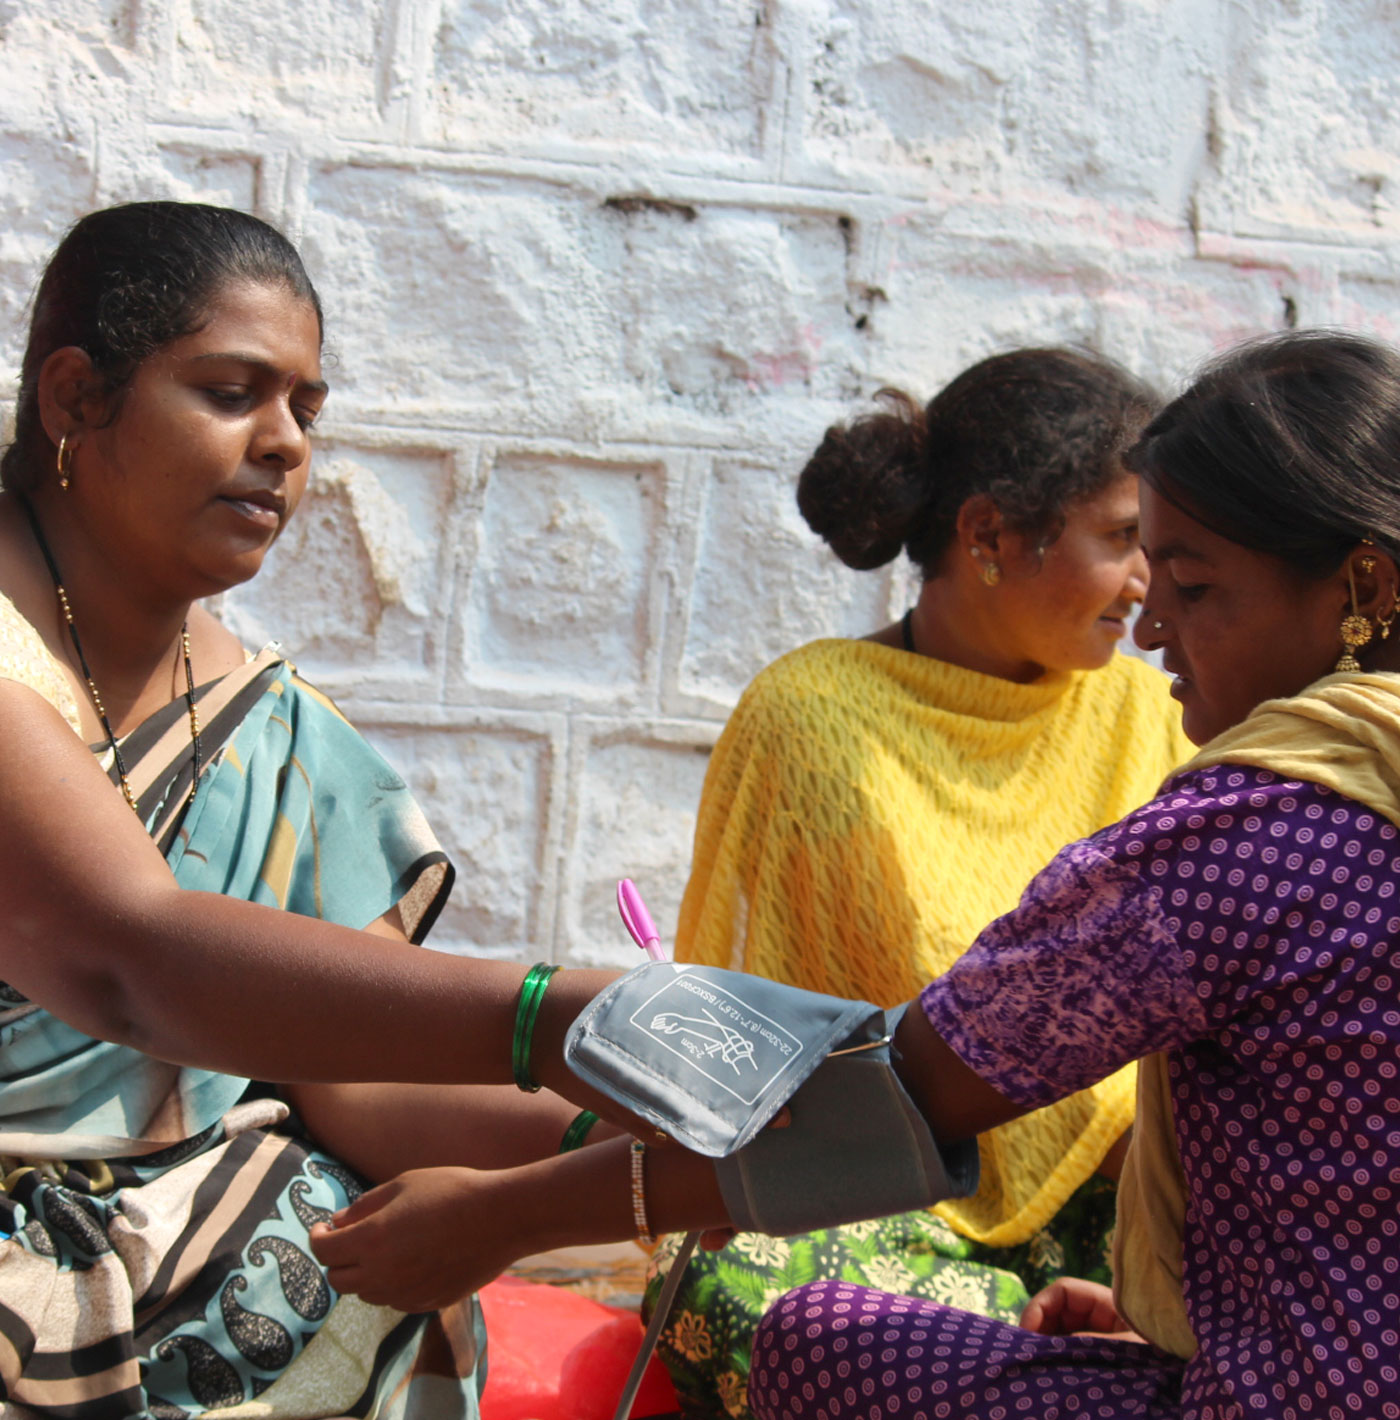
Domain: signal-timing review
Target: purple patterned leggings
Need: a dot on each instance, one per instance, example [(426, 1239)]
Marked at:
[(835, 1351)]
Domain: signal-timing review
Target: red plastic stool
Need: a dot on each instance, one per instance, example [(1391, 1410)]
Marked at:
[(553, 1355)]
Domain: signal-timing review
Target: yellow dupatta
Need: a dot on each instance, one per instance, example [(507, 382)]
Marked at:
[(867, 812)]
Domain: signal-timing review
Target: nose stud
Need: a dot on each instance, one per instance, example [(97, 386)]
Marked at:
[(1156, 625)]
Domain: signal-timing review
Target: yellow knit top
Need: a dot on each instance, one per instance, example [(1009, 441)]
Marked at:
[(867, 812)]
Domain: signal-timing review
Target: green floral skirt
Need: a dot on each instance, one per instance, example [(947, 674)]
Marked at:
[(708, 1339)]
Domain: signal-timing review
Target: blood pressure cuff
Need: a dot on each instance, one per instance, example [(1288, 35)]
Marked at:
[(710, 1056)]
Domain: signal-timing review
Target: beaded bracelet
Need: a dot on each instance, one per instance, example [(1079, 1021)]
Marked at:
[(527, 1009), (638, 1152), (577, 1131)]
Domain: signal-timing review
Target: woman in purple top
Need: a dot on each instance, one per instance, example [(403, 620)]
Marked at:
[(1241, 932), (1246, 922)]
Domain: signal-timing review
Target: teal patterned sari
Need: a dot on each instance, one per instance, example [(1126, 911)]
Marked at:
[(158, 1264)]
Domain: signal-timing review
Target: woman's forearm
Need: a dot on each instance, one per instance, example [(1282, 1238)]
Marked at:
[(587, 1196), (428, 1237), (382, 1130)]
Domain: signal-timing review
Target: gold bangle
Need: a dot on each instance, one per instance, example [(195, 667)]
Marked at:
[(638, 1152)]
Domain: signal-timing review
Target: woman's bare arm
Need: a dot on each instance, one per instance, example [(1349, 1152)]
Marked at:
[(426, 1238), (97, 930), (388, 1129), (429, 1236), (957, 1102)]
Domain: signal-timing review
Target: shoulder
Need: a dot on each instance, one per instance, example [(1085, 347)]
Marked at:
[(1138, 677), (1265, 882), (310, 695), (791, 677), (801, 688), (214, 649), (1128, 683), (1233, 823), (1130, 701), (1243, 795), (815, 663), (25, 658)]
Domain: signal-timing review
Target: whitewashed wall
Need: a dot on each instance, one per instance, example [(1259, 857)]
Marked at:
[(599, 272)]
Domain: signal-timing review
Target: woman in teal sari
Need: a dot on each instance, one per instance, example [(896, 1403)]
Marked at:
[(190, 1030)]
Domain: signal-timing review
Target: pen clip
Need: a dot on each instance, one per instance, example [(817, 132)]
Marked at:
[(637, 920)]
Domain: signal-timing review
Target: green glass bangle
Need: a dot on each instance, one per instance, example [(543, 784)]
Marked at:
[(577, 1131), (527, 1009)]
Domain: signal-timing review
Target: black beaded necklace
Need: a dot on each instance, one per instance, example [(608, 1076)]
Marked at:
[(92, 685)]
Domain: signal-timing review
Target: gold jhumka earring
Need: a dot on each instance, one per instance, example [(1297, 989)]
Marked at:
[(1355, 629)]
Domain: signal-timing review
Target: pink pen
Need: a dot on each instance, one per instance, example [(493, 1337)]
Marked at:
[(638, 920)]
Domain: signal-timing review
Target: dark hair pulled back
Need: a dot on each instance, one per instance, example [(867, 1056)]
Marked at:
[(124, 283), (1288, 445), (1035, 430)]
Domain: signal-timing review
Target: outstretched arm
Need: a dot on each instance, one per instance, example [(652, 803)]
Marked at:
[(427, 1238), (99, 933), (387, 1129), (433, 1235)]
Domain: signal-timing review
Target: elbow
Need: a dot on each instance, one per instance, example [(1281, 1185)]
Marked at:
[(103, 982), (108, 1005)]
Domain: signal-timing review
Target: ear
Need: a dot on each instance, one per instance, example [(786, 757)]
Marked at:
[(68, 393), (980, 526), (1376, 577)]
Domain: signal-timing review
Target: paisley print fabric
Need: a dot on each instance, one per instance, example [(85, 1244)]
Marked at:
[(157, 1262)]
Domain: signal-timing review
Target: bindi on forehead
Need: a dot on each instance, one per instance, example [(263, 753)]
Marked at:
[(282, 378)]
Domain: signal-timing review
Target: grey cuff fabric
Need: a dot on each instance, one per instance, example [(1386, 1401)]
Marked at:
[(710, 1056), (856, 1148)]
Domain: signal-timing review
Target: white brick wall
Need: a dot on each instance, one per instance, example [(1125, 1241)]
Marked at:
[(599, 272)]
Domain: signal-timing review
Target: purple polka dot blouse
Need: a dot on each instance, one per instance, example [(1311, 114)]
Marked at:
[(1249, 926)]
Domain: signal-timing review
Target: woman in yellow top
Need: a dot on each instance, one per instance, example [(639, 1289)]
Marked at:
[(872, 804)]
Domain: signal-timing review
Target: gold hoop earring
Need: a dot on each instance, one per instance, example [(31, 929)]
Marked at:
[(1384, 623), (991, 571), (65, 463), (1355, 632)]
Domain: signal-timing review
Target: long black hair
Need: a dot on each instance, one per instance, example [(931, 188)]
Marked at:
[(124, 283)]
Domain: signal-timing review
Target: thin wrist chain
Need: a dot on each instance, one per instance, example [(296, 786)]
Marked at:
[(637, 1154)]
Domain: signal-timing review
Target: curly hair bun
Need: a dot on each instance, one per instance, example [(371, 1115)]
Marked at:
[(1035, 430), (863, 490)]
